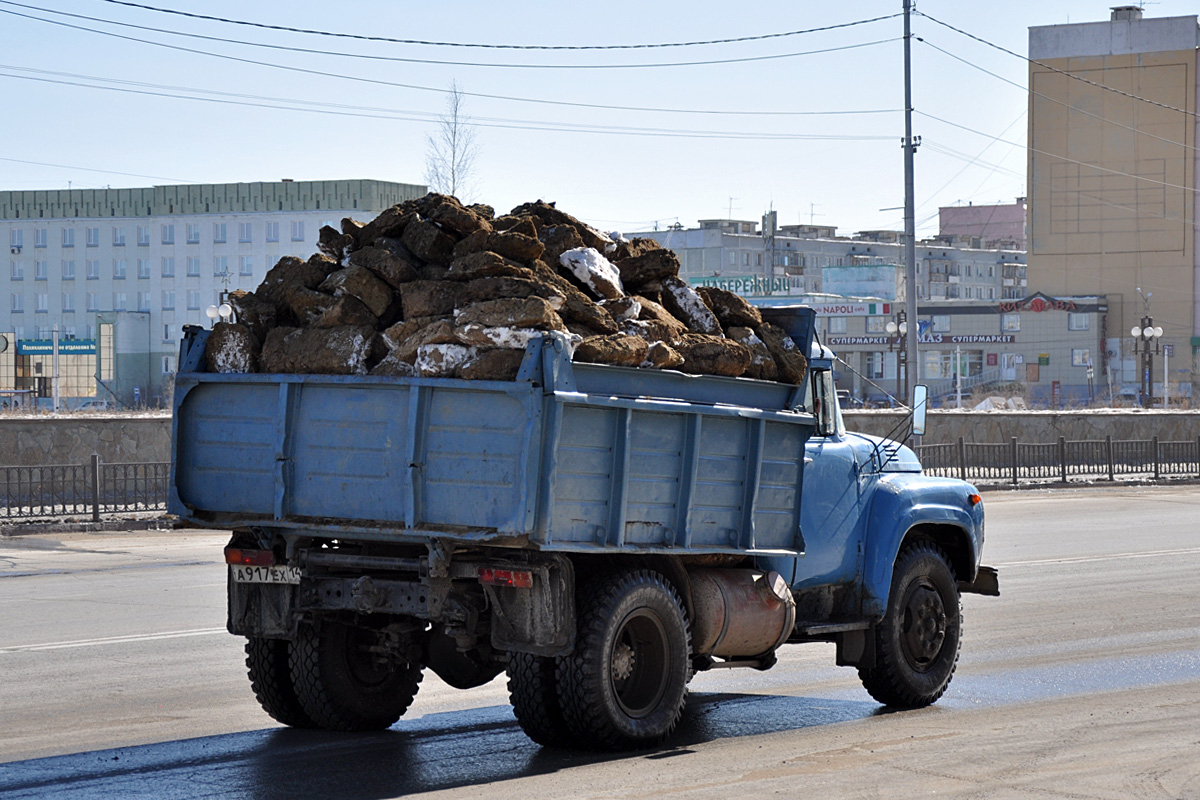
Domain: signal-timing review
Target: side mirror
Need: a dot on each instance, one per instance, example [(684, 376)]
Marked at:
[(919, 407)]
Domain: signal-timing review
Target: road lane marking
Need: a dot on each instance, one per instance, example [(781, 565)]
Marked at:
[(137, 637), (1187, 551)]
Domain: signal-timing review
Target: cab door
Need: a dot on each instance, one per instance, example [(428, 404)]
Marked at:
[(831, 512)]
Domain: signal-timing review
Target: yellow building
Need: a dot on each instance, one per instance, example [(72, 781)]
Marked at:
[(1112, 174)]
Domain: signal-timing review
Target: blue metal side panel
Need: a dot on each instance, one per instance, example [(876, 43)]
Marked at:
[(582, 490), (657, 445), (475, 464), (776, 514), (347, 452), (226, 447), (716, 519)]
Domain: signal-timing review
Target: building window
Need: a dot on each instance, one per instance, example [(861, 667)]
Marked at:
[(168, 336), (93, 301), (1081, 357), (244, 231), (168, 298), (39, 237), (193, 233), (1010, 323), (874, 365), (193, 267), (119, 269), (836, 325), (1078, 322), (247, 267), (220, 266), (940, 323), (143, 266), (92, 236), (41, 270), (876, 324), (143, 235), (18, 303), (16, 270), (168, 234), (68, 270), (68, 303), (118, 237), (143, 301), (16, 238), (168, 267), (193, 299), (272, 231), (92, 266), (168, 362), (41, 302), (218, 233), (298, 230), (68, 237), (119, 301)]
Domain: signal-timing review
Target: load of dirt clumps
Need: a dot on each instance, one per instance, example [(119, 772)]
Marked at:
[(434, 288)]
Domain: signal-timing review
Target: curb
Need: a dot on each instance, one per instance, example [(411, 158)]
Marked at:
[(33, 528)]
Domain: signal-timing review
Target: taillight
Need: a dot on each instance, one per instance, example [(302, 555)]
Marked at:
[(518, 579), (249, 558), (974, 499)]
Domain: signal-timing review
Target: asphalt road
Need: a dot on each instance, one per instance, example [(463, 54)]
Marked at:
[(1081, 681)]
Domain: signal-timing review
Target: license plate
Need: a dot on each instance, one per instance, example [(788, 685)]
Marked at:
[(242, 574)]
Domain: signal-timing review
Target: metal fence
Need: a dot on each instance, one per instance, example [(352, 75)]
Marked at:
[(88, 489), (1061, 461)]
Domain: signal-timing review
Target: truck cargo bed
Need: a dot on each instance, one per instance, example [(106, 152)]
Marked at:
[(568, 457)]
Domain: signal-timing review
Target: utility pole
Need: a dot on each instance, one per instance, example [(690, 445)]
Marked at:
[(910, 233)]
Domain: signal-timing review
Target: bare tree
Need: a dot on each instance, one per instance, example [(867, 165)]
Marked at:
[(450, 162)]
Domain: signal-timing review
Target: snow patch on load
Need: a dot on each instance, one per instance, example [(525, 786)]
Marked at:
[(594, 271)]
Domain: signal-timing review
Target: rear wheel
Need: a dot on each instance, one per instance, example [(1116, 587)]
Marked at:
[(271, 679), (345, 682), (917, 643), (533, 692), (626, 683)]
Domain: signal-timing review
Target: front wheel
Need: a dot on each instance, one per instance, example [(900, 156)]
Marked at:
[(917, 642), (343, 680), (626, 683)]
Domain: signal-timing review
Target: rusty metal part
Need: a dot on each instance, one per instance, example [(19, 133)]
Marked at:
[(740, 613)]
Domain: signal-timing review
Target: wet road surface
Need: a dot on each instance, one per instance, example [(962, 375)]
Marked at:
[(1082, 680)]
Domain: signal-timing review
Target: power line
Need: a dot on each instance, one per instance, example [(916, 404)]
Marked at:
[(361, 37), (598, 106), (93, 169), (1074, 109), (1055, 69), (437, 62), (285, 104), (1096, 167)]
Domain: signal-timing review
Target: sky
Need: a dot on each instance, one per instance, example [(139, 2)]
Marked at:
[(805, 116)]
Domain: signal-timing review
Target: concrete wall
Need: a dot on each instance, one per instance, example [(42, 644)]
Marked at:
[(37, 441), (945, 427)]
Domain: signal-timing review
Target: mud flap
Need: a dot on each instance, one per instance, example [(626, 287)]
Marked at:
[(265, 610), (539, 620)]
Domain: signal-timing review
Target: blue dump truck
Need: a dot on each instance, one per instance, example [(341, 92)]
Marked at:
[(601, 533)]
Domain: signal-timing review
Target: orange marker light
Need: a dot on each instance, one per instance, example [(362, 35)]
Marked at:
[(974, 499)]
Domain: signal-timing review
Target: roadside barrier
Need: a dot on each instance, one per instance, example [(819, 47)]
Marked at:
[(90, 489)]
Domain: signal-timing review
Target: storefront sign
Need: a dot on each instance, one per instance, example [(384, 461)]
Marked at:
[(983, 338), (754, 285), (851, 309), (45, 347), (929, 338), (1038, 302)]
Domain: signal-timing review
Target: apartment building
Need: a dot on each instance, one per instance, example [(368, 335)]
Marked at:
[(119, 272)]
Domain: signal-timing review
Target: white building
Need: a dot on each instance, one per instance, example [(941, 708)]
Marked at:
[(80, 259)]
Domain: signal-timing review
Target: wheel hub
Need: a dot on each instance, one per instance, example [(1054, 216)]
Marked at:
[(924, 625), (623, 662)]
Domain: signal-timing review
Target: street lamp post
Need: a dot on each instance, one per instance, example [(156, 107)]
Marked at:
[(1146, 343), (897, 330)]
